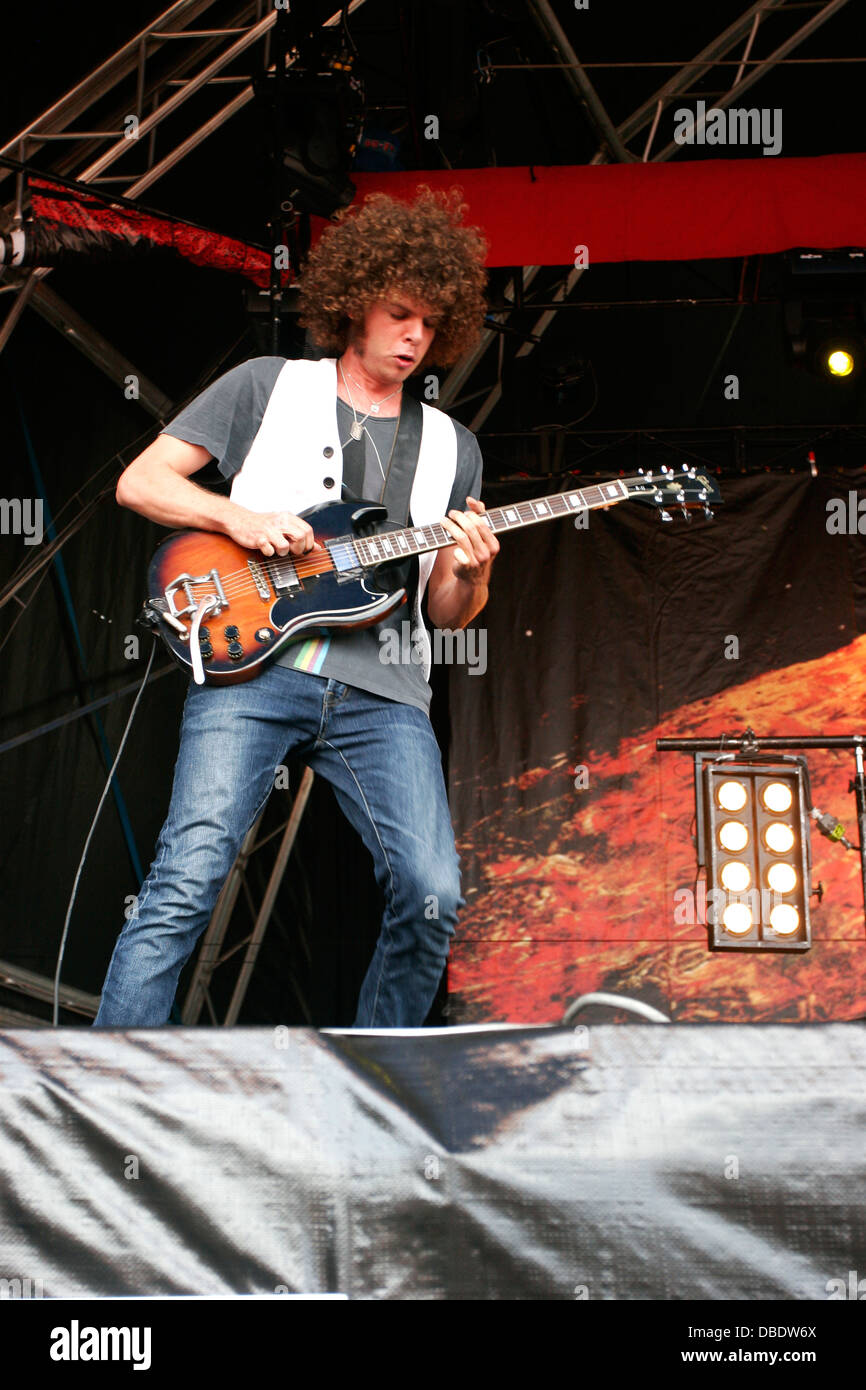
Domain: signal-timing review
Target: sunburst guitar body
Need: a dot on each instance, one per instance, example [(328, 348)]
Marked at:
[(224, 612)]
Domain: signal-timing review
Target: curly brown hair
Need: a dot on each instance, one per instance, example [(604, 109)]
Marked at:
[(421, 249)]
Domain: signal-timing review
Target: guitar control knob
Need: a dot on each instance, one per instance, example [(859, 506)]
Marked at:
[(265, 635), (206, 651), (231, 632), (235, 650), (204, 634)]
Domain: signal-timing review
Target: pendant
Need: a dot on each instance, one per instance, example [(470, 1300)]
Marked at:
[(374, 409), (356, 429)]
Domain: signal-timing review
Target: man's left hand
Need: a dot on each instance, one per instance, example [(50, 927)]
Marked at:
[(476, 544)]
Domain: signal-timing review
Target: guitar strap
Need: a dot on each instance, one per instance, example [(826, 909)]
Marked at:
[(400, 472), (397, 491)]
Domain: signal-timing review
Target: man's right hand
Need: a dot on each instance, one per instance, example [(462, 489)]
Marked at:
[(158, 484), (273, 533)]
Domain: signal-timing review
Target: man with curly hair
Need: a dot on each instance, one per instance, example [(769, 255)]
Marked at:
[(389, 290)]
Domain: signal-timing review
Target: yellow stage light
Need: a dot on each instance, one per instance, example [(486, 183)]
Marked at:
[(839, 362)]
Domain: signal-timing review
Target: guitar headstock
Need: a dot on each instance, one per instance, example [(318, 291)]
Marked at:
[(689, 489)]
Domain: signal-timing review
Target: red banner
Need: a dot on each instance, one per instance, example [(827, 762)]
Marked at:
[(691, 210)]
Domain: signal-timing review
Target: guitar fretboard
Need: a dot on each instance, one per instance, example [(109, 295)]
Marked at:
[(418, 540)]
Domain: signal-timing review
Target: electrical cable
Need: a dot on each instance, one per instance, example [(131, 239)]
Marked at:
[(90, 833)]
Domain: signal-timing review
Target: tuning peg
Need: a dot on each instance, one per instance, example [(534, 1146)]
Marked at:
[(707, 512), (685, 511), (665, 516)]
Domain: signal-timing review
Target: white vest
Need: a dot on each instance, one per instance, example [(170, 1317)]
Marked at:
[(297, 448)]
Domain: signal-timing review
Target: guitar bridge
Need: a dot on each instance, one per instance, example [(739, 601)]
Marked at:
[(216, 601), (258, 578)]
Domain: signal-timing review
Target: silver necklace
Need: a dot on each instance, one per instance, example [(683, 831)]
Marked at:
[(356, 429)]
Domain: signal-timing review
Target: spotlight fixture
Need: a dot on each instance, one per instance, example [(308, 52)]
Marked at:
[(313, 108), (827, 336), (753, 839)]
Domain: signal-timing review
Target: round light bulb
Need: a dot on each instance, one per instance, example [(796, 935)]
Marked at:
[(777, 797), (731, 796), (784, 919), (737, 919), (782, 878), (735, 876), (779, 837), (840, 362), (733, 836)]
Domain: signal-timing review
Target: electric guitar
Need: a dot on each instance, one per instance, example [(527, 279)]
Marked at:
[(224, 611)]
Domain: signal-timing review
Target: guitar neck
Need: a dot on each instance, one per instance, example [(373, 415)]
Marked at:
[(421, 540)]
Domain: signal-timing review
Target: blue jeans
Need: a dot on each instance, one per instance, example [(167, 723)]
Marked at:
[(385, 766)]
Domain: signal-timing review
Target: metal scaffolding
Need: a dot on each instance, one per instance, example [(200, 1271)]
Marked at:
[(616, 139)]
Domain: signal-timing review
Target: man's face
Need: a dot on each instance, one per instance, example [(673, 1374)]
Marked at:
[(397, 335)]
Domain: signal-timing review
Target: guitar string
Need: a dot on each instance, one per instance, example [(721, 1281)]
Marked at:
[(238, 581), (308, 563)]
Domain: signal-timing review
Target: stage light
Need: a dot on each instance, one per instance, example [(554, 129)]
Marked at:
[(733, 836), (825, 334), (735, 876), (838, 352), (777, 797), (753, 840), (737, 919), (839, 362), (732, 796), (782, 878), (779, 838)]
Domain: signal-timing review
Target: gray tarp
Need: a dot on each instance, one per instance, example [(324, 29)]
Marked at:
[(675, 1162)]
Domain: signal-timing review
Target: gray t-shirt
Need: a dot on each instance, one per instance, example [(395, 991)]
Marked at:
[(224, 419)]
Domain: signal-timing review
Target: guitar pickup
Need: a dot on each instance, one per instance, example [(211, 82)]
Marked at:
[(287, 580)]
